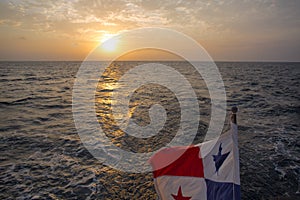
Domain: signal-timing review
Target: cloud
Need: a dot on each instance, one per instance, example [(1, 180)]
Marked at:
[(206, 14), (22, 38)]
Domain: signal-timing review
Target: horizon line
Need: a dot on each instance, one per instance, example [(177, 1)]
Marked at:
[(157, 60)]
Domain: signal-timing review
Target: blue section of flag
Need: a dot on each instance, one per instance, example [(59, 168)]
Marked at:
[(222, 191)]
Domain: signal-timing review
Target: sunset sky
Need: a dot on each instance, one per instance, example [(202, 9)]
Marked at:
[(231, 30)]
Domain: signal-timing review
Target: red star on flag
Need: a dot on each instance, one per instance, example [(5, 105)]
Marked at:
[(179, 195)]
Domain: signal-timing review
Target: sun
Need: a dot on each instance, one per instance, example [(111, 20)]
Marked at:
[(109, 42)]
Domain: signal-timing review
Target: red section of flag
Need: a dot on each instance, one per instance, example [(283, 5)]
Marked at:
[(188, 164)]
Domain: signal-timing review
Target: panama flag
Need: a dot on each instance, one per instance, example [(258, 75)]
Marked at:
[(209, 170)]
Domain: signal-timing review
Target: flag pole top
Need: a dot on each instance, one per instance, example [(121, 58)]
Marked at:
[(234, 110)]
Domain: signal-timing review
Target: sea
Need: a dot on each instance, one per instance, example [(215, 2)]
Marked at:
[(43, 157)]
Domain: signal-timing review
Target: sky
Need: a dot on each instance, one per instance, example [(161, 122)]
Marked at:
[(231, 30)]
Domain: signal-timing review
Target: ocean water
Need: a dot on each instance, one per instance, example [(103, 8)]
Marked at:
[(42, 156)]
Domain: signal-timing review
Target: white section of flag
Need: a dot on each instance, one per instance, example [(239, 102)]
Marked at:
[(229, 171)]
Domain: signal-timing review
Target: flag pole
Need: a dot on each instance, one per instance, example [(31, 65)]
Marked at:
[(234, 110)]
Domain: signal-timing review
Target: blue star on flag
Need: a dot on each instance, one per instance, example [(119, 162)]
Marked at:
[(220, 158)]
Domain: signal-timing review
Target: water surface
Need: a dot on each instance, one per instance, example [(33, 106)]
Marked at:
[(42, 156)]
